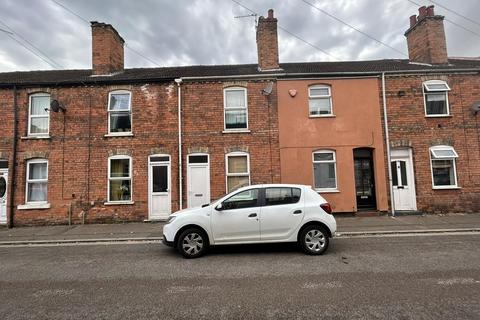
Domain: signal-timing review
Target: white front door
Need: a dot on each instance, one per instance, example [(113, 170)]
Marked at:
[(198, 179), (159, 191), (3, 196), (403, 180)]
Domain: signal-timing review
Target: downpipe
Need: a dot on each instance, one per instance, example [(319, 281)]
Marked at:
[(179, 81), (387, 141)]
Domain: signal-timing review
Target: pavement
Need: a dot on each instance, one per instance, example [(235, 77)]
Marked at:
[(148, 231)]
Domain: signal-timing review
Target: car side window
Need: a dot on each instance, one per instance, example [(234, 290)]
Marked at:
[(279, 196), (241, 200)]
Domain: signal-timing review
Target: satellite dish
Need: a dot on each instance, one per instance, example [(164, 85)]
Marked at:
[(268, 89), (55, 106)]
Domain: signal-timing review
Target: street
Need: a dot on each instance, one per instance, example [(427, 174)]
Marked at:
[(405, 277)]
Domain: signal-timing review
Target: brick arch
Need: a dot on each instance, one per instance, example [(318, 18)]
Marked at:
[(198, 150), (119, 152), (236, 149), (35, 154)]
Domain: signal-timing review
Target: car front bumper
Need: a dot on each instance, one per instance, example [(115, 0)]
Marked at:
[(166, 242)]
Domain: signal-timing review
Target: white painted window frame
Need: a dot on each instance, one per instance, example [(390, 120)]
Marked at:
[(313, 97), (227, 174), (426, 91), (234, 108), (334, 161), (128, 133), (432, 158), (28, 181), (30, 116), (130, 177)]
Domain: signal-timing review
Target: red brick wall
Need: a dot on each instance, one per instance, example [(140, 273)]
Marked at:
[(78, 165), (267, 42), (409, 127), (426, 41), (107, 49)]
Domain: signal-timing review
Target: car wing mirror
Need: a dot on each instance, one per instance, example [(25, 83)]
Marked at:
[(219, 207)]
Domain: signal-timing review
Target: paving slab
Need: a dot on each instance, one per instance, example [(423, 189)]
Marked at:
[(144, 230)]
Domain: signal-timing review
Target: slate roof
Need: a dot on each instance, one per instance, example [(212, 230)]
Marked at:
[(66, 77)]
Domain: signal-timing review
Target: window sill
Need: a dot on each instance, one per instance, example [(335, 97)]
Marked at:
[(439, 116), (236, 131), (447, 188), (322, 116), (327, 190), (33, 206), (126, 134), (119, 203), (35, 138)]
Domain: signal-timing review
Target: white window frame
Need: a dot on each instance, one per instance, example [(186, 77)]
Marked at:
[(127, 133), (313, 97), (227, 174), (28, 181), (426, 90), (433, 157), (30, 116), (109, 178), (334, 161), (235, 108)]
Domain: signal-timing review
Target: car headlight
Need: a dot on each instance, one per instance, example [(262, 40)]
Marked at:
[(170, 219)]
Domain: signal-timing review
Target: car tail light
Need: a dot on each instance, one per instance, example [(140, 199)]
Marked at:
[(326, 207)]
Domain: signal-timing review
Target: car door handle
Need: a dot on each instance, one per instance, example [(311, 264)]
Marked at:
[(297, 211), (252, 215)]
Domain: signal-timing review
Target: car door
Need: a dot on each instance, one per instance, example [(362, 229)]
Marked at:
[(236, 219), (281, 214)]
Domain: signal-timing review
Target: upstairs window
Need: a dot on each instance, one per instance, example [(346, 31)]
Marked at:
[(119, 179), (324, 170), (238, 171), (38, 115), (444, 171), (436, 98), (320, 101), (119, 112), (236, 110), (37, 181)]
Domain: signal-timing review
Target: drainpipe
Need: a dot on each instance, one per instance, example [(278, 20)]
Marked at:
[(14, 158), (180, 175), (387, 139)]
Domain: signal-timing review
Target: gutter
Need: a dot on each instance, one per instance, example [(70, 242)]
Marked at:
[(14, 159), (387, 142), (180, 173)]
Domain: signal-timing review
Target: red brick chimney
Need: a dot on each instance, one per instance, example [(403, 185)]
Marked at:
[(426, 38), (267, 43), (107, 49)]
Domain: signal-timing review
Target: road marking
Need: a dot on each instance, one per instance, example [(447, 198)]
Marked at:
[(322, 285), (449, 282)]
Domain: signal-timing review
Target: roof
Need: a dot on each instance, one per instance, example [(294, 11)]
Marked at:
[(68, 77)]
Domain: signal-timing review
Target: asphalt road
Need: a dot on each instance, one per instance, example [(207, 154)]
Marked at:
[(420, 277)]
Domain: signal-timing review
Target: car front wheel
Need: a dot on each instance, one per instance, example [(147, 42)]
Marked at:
[(192, 243), (314, 240)]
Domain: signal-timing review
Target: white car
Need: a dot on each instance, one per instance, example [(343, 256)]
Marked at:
[(254, 214)]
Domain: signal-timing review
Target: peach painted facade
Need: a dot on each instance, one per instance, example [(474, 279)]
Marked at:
[(355, 123)]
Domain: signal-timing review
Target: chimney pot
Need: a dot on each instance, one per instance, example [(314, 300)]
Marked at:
[(430, 11), (413, 20), (270, 14), (422, 12)]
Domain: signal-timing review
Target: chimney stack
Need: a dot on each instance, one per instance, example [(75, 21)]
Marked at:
[(426, 37), (107, 49), (267, 43)]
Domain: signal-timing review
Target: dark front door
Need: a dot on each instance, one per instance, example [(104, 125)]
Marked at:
[(364, 180)]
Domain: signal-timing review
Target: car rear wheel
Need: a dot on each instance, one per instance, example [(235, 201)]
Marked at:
[(192, 243), (314, 240)]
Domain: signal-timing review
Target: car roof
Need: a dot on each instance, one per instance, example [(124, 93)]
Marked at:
[(274, 185)]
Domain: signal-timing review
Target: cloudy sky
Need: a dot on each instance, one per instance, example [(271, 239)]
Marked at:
[(186, 32)]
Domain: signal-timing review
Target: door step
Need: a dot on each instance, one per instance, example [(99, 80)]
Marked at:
[(369, 213)]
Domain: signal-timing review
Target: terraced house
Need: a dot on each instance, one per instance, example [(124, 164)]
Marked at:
[(116, 144)]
